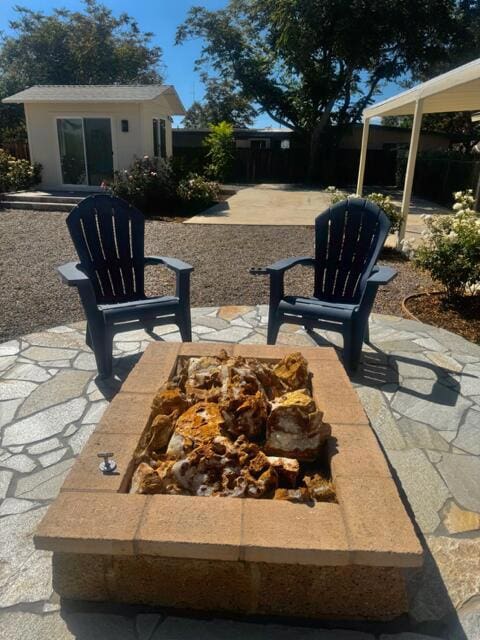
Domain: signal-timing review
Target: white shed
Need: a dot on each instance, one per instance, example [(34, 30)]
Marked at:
[(81, 134)]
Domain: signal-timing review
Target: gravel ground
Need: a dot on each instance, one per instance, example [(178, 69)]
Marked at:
[(32, 244)]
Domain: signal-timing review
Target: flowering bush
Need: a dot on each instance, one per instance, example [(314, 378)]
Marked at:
[(15, 174), (383, 201), (148, 184), (197, 190), (450, 250)]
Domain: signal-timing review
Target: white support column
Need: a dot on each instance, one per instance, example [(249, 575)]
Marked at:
[(363, 156), (412, 158)]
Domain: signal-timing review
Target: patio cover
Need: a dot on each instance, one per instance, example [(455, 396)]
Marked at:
[(457, 90)]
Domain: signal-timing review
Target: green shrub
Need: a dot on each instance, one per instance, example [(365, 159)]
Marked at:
[(383, 201), (450, 247), (198, 191), (220, 144), (149, 184), (17, 175)]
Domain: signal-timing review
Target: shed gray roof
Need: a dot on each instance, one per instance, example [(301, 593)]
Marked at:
[(97, 93)]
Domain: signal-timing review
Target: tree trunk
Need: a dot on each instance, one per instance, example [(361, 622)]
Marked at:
[(316, 158)]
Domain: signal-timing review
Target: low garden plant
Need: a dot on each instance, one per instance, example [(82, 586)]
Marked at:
[(154, 185), (385, 202), (147, 184), (450, 248), (17, 175), (197, 190)]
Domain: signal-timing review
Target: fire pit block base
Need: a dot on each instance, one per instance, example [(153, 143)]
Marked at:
[(348, 592)]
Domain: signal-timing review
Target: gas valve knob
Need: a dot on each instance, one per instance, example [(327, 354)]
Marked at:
[(108, 465)]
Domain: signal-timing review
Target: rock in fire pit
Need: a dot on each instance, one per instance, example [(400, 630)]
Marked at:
[(235, 427)]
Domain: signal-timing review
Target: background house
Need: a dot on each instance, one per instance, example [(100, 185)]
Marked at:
[(278, 155), (381, 137), (81, 134)]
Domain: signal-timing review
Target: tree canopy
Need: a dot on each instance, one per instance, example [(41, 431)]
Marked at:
[(92, 46), (466, 134), (223, 102), (311, 64)]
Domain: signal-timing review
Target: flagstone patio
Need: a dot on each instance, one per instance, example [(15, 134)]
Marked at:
[(419, 385)]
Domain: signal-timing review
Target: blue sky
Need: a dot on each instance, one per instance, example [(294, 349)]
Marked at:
[(162, 18)]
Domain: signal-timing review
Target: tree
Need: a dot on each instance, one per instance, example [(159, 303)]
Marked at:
[(222, 102), (464, 133), (312, 64), (459, 125), (74, 47)]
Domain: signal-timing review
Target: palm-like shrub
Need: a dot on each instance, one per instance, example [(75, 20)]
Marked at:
[(220, 146)]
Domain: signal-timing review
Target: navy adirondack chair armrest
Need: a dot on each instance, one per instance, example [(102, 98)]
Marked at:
[(71, 274), (276, 272), (382, 275), (287, 263), (171, 263), (182, 271)]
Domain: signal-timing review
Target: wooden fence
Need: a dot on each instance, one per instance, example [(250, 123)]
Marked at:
[(291, 165), (17, 149), (437, 178)]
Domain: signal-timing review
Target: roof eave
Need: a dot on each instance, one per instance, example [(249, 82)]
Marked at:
[(404, 103)]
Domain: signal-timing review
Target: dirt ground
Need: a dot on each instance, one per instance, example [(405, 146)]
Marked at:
[(33, 243)]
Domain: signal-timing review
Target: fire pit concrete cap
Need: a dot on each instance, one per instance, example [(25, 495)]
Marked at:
[(369, 526)]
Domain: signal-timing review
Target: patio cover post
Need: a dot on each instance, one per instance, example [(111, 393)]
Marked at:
[(363, 156), (412, 157)]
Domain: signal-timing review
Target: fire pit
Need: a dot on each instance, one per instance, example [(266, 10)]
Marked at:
[(248, 480)]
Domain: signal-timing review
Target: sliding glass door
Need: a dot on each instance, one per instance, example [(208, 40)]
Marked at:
[(86, 155), (72, 150)]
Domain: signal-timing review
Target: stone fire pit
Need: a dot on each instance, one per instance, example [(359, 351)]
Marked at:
[(342, 559)]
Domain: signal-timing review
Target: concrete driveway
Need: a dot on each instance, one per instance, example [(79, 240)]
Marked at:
[(267, 204), (283, 204)]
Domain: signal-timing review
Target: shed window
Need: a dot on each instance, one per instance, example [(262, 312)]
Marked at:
[(159, 141)]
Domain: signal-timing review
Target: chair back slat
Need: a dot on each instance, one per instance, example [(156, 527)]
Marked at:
[(348, 239), (108, 235)]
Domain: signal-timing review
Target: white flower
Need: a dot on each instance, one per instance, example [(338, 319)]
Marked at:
[(457, 206), (452, 235)]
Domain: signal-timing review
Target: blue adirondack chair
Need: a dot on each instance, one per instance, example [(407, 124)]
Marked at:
[(348, 239), (108, 235)]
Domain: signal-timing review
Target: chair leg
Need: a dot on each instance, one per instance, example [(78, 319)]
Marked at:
[(88, 338), (149, 327), (102, 346), (355, 350), (366, 334), (273, 328), (347, 344), (184, 322), (356, 333)]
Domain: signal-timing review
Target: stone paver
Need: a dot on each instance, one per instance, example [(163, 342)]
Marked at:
[(462, 475), (419, 386)]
